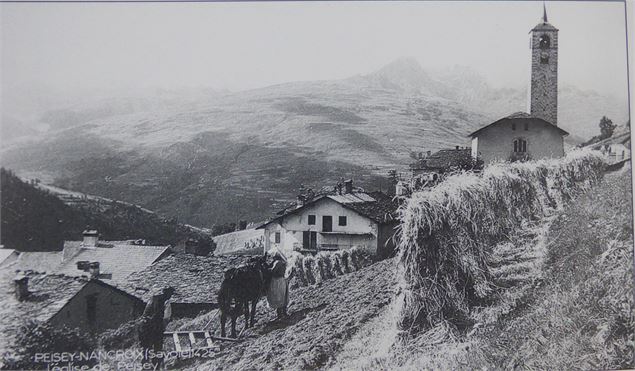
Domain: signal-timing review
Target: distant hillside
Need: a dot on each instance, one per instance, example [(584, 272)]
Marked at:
[(37, 220), (217, 158)]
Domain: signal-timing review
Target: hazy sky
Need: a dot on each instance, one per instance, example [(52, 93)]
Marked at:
[(247, 45)]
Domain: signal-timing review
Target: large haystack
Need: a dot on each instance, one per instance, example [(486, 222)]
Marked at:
[(448, 232)]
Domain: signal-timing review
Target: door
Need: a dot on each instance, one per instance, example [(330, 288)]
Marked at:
[(327, 223), (305, 240), (309, 240)]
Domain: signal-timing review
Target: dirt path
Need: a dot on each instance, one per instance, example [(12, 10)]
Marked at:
[(323, 317), (517, 266)]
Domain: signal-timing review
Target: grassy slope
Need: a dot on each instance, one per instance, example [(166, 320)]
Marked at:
[(578, 313)]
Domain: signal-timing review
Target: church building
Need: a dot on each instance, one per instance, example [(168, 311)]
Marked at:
[(534, 135)]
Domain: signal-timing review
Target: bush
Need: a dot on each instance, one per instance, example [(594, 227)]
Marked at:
[(447, 232), (33, 338)]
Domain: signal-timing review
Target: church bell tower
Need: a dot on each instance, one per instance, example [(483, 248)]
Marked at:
[(544, 71)]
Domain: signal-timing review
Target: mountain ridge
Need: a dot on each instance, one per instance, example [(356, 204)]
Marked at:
[(221, 157)]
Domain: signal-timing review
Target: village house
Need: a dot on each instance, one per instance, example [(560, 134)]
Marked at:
[(339, 220), (430, 168), (110, 261), (244, 242), (90, 305), (195, 279), (441, 162), (534, 135)]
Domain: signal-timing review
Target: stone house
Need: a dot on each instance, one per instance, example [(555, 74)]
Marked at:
[(334, 222), (441, 162), (90, 305)]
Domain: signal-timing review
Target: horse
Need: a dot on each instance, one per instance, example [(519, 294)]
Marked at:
[(240, 291)]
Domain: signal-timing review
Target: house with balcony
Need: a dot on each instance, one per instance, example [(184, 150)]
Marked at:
[(342, 219)]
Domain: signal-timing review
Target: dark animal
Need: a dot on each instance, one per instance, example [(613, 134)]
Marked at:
[(243, 287)]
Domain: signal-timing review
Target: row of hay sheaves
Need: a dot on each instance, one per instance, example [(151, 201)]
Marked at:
[(448, 232), (312, 269)]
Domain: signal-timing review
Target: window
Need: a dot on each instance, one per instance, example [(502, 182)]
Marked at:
[(327, 223), (341, 221), (311, 219), (520, 146), (277, 237), (544, 42), (513, 126), (526, 126)]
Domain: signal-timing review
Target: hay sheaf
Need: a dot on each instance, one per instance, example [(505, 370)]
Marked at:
[(447, 232), (309, 270)]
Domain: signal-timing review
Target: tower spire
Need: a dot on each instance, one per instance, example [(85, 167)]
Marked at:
[(544, 12)]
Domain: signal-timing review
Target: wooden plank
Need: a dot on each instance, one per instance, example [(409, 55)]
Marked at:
[(210, 343), (192, 340), (184, 332), (226, 339), (177, 344), (175, 336), (211, 319)]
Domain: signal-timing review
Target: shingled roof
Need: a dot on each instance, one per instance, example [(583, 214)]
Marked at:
[(39, 261), (376, 206), (520, 116), (444, 159), (48, 294), (116, 262), (196, 279), (382, 209)]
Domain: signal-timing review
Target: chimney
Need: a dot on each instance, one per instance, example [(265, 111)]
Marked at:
[(191, 246), (93, 269), (348, 186), (90, 238), (300, 201), (21, 287), (83, 265)]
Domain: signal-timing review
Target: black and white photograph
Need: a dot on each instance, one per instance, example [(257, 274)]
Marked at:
[(316, 185)]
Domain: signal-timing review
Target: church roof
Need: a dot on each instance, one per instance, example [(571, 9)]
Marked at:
[(375, 206), (520, 116), (544, 25)]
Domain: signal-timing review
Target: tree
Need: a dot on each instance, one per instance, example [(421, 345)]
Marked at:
[(606, 127)]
